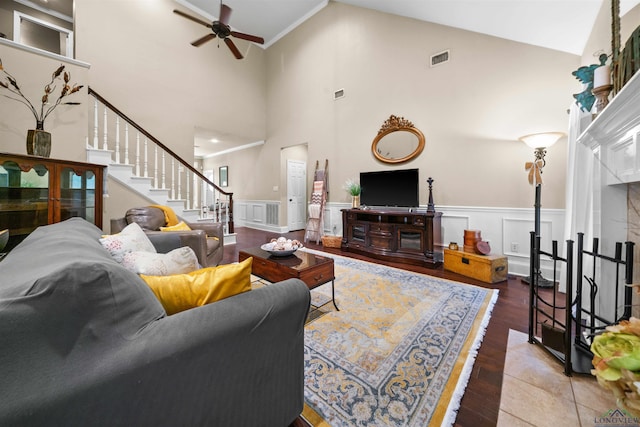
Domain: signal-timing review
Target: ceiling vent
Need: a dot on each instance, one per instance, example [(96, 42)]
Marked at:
[(439, 58), (338, 94)]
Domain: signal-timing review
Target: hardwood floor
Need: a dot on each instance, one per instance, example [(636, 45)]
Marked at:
[(481, 401)]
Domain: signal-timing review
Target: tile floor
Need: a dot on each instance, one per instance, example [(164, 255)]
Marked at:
[(535, 392)]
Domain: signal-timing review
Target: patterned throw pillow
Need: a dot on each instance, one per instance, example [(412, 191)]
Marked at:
[(131, 238), (178, 261), (184, 291)]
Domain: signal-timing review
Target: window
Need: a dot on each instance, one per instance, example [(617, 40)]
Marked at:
[(40, 34)]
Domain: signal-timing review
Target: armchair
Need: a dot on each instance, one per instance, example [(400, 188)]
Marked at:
[(206, 238)]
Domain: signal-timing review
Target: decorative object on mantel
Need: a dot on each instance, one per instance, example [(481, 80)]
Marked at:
[(539, 142), (615, 45), (39, 141), (630, 58), (353, 188), (585, 75), (601, 88)]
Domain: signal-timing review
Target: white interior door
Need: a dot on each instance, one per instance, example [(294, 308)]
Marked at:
[(296, 194)]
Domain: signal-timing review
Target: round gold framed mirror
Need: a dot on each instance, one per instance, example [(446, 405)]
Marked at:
[(398, 141)]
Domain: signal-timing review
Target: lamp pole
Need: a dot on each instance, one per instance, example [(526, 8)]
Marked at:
[(539, 142), (539, 279)]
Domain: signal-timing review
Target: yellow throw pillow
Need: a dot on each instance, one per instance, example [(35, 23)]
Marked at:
[(181, 226), (181, 292)]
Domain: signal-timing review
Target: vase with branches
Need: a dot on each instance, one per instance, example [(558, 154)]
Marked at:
[(48, 103)]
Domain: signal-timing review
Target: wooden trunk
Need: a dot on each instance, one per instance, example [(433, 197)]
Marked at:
[(486, 268)]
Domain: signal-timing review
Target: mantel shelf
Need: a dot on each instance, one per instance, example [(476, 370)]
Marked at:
[(614, 135)]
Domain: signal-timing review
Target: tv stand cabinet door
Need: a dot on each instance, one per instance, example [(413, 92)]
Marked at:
[(411, 240), (381, 237), (358, 234)]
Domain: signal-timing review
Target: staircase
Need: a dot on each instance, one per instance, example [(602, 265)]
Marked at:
[(139, 161)]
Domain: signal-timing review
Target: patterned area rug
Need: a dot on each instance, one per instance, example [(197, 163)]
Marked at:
[(398, 353)]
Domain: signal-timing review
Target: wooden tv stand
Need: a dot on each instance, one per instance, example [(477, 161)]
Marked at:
[(395, 235)]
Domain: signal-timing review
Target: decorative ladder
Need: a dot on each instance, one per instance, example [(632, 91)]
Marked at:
[(141, 162)]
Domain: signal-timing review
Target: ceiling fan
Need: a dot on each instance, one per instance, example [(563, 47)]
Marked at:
[(222, 30)]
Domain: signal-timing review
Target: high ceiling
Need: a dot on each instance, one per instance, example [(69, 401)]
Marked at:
[(562, 25)]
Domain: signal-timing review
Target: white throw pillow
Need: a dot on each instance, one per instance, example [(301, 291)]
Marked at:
[(178, 261), (131, 238)]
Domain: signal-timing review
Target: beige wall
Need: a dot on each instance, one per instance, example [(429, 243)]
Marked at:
[(66, 123), (601, 35), (471, 110), (148, 69), (143, 63)]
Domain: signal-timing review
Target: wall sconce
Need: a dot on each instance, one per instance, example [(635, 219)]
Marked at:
[(539, 142)]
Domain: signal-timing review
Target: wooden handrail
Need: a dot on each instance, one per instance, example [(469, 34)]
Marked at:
[(155, 140)]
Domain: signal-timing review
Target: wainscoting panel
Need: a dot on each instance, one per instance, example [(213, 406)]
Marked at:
[(506, 229), (453, 227), (258, 214)]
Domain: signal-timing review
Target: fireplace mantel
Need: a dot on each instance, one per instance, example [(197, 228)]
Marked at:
[(614, 136)]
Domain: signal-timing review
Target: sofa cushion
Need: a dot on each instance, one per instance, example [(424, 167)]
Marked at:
[(177, 261), (62, 268), (184, 291), (131, 239)]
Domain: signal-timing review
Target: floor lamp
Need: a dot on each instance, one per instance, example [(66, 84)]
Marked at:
[(539, 142)]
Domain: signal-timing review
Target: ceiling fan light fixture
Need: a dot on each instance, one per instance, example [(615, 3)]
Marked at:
[(221, 30)]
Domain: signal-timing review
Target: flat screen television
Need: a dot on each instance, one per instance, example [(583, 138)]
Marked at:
[(390, 188)]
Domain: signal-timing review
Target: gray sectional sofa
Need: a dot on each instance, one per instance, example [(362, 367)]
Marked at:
[(84, 342)]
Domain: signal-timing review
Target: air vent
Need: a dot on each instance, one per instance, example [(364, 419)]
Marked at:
[(338, 94), (439, 58)]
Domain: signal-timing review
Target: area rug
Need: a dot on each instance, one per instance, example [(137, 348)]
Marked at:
[(398, 353)]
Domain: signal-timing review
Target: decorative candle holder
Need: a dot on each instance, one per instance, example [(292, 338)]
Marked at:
[(602, 99)]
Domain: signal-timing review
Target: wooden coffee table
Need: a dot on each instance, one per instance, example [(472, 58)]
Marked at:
[(313, 270)]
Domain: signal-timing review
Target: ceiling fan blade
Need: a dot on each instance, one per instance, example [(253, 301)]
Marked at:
[(225, 14), (233, 48), (249, 37), (194, 19), (203, 40)]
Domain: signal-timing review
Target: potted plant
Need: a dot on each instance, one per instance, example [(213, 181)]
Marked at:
[(354, 189), (39, 141)]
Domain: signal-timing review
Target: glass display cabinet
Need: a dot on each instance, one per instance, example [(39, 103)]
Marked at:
[(37, 191)]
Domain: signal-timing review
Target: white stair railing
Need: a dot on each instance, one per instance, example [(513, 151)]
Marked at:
[(200, 193)]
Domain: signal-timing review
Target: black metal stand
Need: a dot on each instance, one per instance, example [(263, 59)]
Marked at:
[(541, 281)]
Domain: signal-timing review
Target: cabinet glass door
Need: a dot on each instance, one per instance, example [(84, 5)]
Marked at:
[(77, 194), (358, 233), (410, 240), (24, 198)]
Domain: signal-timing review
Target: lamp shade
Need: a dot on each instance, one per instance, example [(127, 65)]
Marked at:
[(541, 140)]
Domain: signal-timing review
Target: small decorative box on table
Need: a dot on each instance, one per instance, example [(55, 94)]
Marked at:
[(486, 268)]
